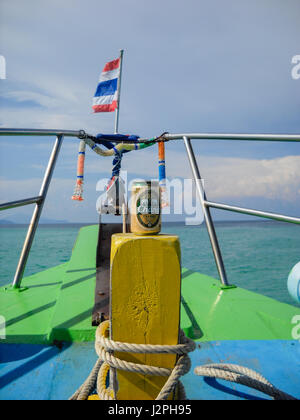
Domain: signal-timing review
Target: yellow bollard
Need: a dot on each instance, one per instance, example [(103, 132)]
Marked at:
[(145, 305)]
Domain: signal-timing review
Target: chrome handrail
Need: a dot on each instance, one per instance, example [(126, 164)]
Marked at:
[(206, 205), (38, 201), (251, 212), (40, 132), (169, 136), (206, 211), (20, 203), (236, 136)]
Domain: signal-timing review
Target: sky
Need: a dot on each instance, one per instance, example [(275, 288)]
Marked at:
[(193, 66)]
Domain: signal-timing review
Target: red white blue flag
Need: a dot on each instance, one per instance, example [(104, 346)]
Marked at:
[(106, 96)]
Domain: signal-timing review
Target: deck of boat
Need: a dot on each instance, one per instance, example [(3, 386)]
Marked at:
[(56, 305)]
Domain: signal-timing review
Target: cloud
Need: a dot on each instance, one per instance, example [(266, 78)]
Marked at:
[(54, 118), (228, 177), (58, 205), (218, 74), (224, 178), (268, 179), (25, 96)]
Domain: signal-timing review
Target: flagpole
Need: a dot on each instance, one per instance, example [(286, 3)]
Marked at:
[(119, 94)]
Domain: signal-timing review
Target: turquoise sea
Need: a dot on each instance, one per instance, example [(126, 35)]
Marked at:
[(258, 255)]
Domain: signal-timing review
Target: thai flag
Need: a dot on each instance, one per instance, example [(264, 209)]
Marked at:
[(106, 96)]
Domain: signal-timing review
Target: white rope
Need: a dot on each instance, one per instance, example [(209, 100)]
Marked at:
[(104, 348), (229, 372), (111, 345), (243, 376)]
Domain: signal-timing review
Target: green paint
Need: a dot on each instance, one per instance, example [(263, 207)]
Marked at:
[(57, 304), (145, 145), (72, 320), (234, 313), (28, 314)]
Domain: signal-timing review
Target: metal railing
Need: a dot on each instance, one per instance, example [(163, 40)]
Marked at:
[(206, 205), (40, 199)]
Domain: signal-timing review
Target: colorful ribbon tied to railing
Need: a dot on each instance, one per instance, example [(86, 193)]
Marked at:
[(115, 147), (162, 173), (78, 192)]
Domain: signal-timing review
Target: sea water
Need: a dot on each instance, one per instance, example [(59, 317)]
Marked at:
[(258, 256)]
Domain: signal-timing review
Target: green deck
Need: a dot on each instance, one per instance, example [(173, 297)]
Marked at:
[(57, 305), (58, 302)]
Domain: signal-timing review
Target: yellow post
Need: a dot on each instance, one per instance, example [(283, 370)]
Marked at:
[(145, 305)]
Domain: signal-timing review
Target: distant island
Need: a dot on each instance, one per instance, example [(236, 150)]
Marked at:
[(6, 222)]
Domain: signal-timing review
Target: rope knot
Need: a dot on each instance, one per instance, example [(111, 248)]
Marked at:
[(105, 348)]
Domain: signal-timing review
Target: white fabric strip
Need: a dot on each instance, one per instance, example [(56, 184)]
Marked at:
[(105, 100), (109, 75)]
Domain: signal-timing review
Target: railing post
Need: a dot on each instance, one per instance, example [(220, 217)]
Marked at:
[(37, 213), (208, 219)]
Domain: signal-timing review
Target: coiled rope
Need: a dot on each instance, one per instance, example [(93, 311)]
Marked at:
[(243, 376), (104, 348)]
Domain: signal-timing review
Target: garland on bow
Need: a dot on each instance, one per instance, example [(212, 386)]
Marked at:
[(78, 192), (117, 150)]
